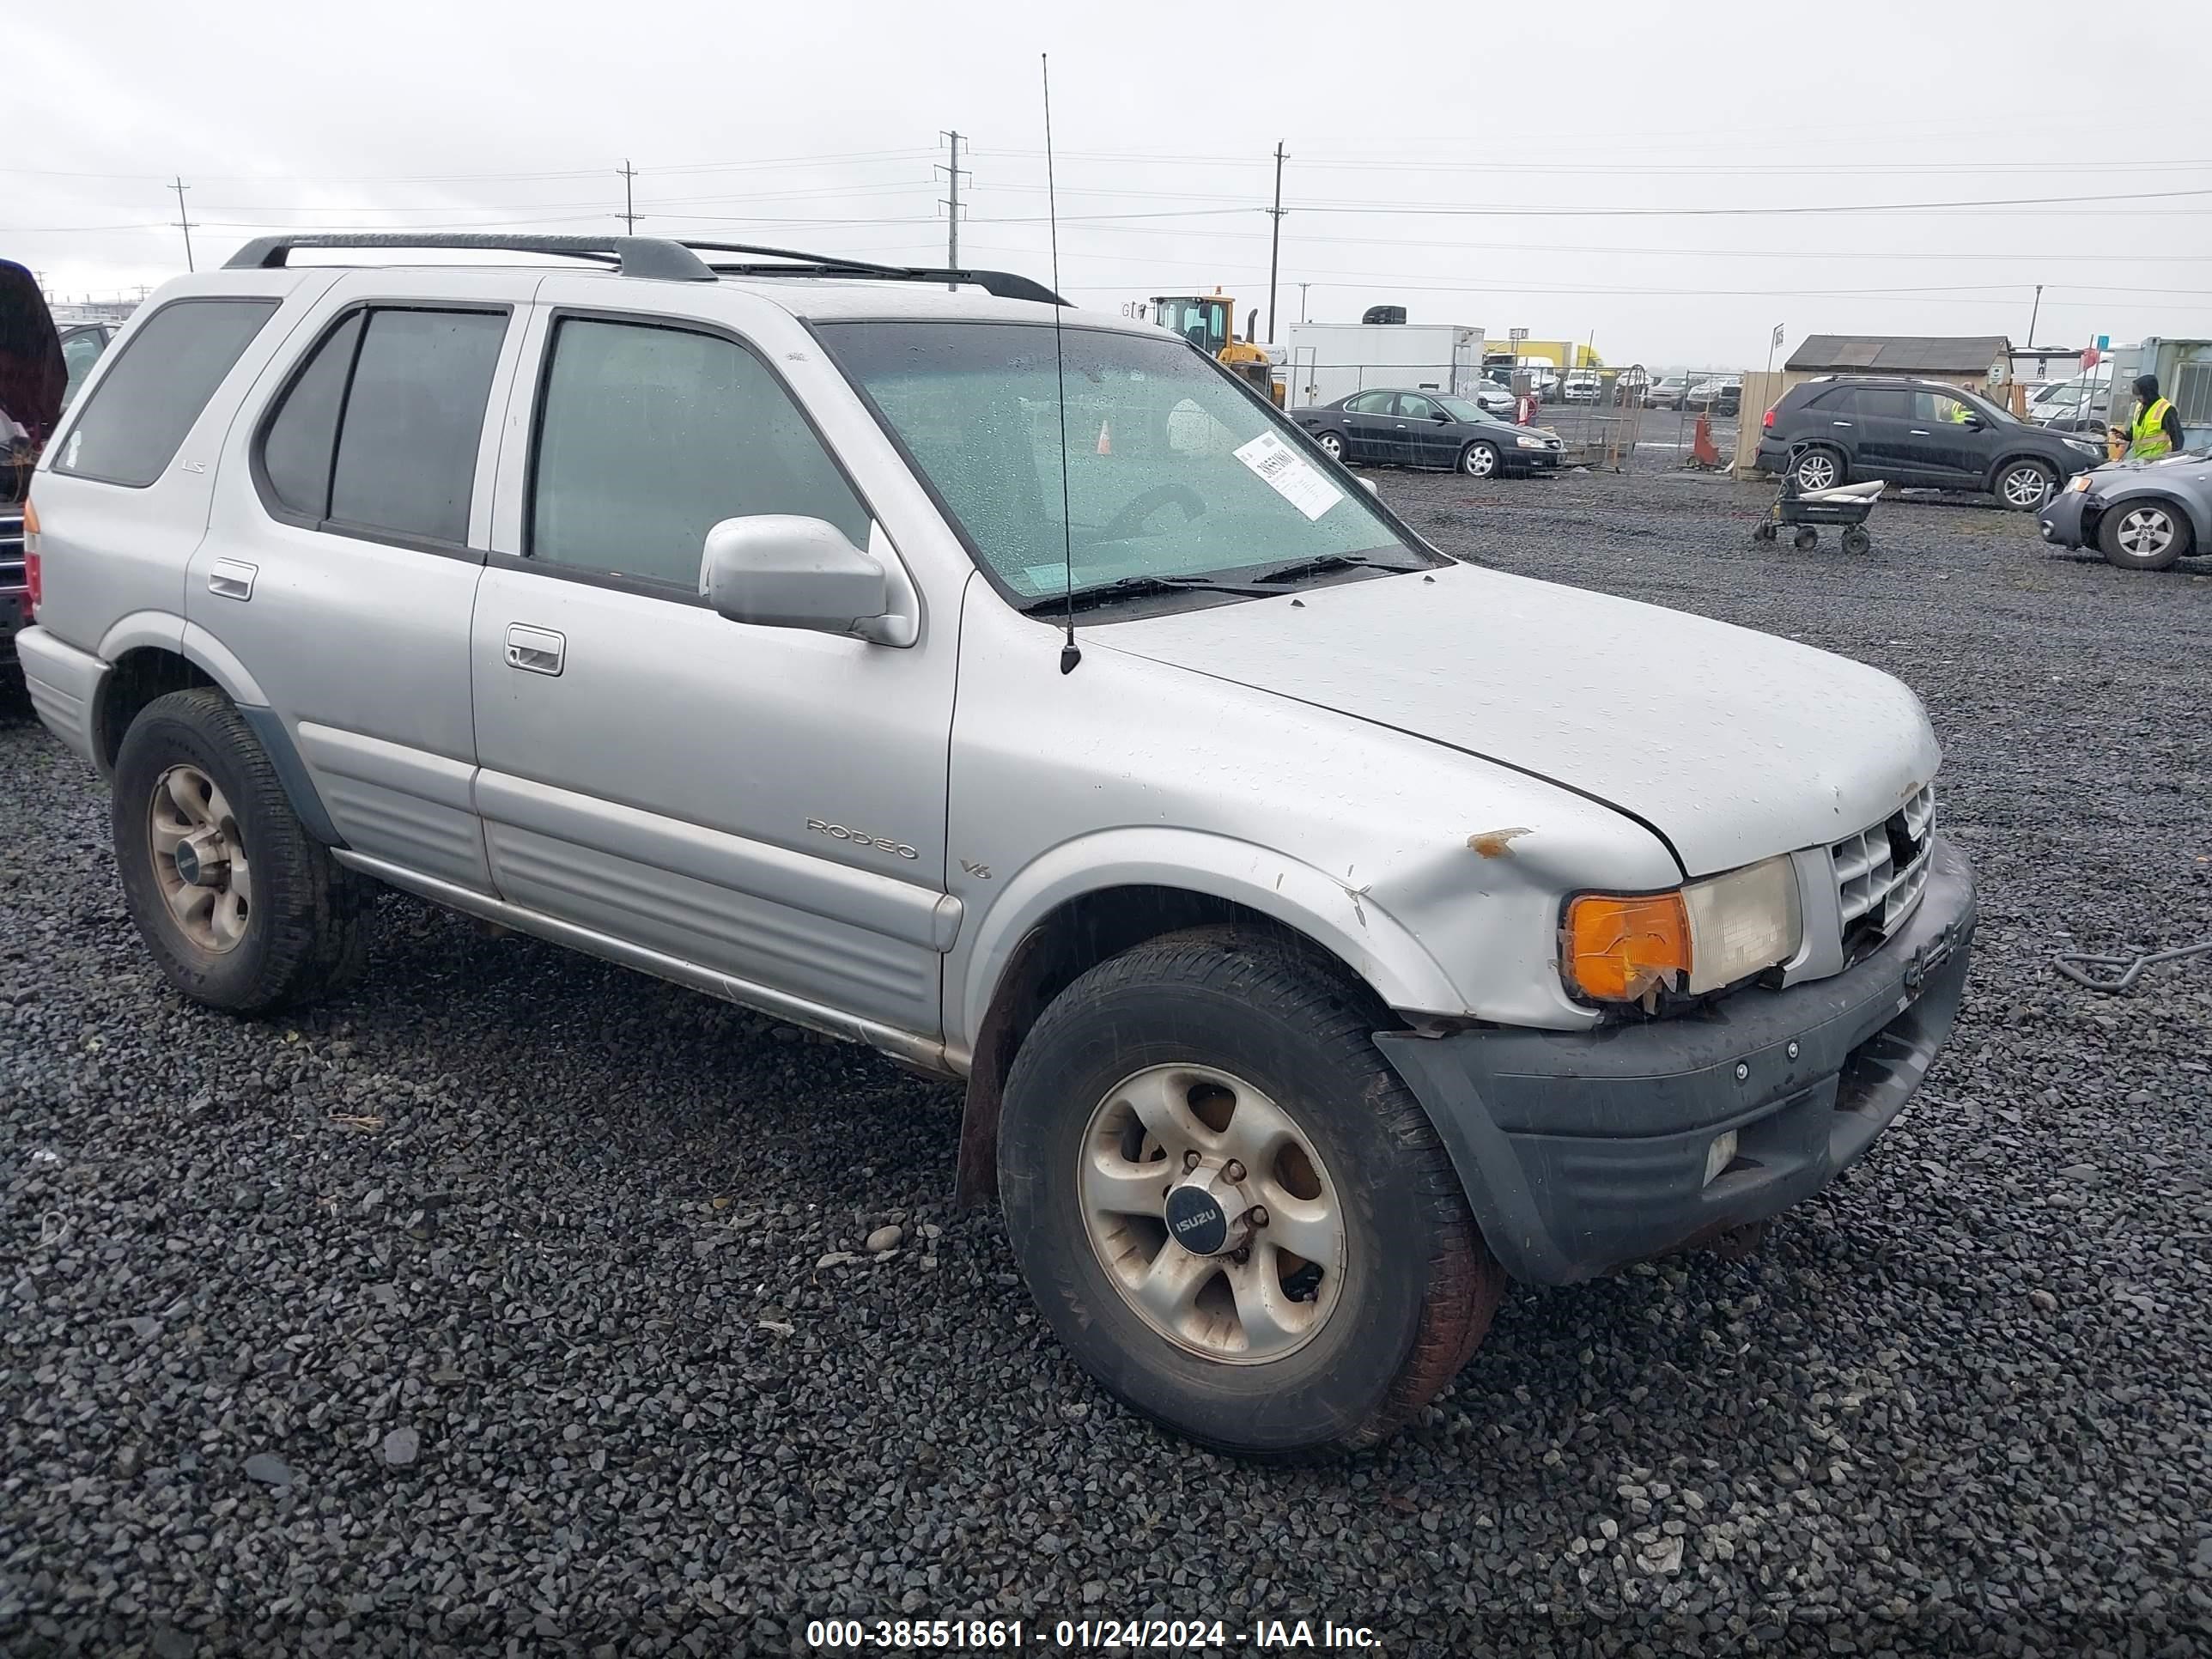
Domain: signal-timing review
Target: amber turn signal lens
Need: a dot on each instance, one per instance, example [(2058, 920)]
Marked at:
[(1619, 949)]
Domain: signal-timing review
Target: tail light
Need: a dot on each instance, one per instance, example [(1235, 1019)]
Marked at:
[(1767, 425), (32, 573)]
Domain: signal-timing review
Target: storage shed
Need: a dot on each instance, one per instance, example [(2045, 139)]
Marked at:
[(1975, 360)]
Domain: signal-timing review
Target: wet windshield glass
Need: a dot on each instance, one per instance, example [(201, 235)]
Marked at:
[(1171, 469)]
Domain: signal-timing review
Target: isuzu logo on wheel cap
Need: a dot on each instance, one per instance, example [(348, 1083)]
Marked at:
[(1196, 1220)]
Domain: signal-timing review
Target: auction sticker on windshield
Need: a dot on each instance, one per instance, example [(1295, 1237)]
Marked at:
[(1290, 475)]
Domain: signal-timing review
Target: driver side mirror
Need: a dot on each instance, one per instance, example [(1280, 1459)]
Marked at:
[(1441, 418), (1973, 423), (777, 570)]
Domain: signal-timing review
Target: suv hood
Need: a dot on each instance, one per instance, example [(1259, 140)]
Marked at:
[(1732, 745)]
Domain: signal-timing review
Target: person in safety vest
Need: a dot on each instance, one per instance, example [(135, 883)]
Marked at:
[(2157, 428)]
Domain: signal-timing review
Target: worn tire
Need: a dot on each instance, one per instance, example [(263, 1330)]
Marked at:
[(1419, 1286), (2143, 534), (306, 933)]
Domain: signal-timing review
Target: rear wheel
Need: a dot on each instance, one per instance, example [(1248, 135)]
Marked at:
[(241, 907), (2143, 536), (1331, 446), (1818, 469), (1806, 539), (1228, 1207), (1480, 460), (2024, 486), (1856, 540)]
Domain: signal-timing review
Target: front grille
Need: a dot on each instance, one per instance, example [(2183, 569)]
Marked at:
[(1883, 870)]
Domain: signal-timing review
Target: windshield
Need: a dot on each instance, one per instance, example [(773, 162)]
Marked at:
[(1171, 469), (1459, 409)]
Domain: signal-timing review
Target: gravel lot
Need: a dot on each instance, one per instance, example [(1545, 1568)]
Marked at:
[(516, 1303)]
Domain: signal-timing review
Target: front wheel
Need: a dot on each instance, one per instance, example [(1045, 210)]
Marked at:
[(1806, 539), (1331, 446), (1856, 540), (1229, 1207), (241, 907), (2024, 486), (1480, 460), (2147, 536)]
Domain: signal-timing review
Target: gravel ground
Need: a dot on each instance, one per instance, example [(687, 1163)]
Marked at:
[(518, 1304)]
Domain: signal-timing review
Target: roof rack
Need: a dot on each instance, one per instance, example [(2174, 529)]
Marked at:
[(650, 257), (1002, 284), (635, 256)]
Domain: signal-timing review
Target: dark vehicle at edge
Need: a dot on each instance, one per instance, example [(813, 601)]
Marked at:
[(1835, 430), (1385, 426)]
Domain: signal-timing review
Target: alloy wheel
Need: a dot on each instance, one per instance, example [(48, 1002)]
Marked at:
[(1815, 471), (2027, 486), (199, 859), (2145, 532), (1211, 1213)]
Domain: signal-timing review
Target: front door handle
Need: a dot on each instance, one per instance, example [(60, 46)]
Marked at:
[(1839, 424), (535, 650), (232, 578), (1922, 432)]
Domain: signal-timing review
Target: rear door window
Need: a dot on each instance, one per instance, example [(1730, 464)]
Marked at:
[(132, 425), (406, 459), (1884, 403), (377, 433)]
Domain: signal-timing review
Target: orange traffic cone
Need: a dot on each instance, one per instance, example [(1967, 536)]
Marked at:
[(1105, 438)]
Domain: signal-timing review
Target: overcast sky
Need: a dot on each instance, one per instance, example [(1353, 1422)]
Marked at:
[(1585, 172)]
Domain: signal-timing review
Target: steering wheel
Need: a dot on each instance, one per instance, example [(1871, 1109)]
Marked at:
[(1131, 518)]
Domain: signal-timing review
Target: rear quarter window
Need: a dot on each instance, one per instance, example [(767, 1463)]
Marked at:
[(131, 426)]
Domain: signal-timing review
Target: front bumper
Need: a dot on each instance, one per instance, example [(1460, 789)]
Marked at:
[(2062, 520), (1584, 1151)]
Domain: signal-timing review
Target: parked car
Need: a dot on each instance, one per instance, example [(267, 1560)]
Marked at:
[(1492, 398), (1322, 936), (1926, 433), (35, 374), (1719, 397), (2141, 515), (1667, 393), (1388, 427), (1579, 388)]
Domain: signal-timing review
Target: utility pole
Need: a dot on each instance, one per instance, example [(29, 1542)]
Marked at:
[(1275, 241), (630, 207), (1302, 287), (184, 223), (2035, 314), (950, 202)]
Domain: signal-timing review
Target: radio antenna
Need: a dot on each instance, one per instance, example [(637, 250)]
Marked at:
[(1070, 655)]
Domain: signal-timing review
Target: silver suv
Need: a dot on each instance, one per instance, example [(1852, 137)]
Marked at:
[(1327, 932)]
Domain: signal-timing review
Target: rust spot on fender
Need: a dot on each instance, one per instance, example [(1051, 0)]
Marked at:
[(1497, 843)]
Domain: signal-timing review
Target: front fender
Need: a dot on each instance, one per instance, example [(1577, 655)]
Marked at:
[(1339, 917)]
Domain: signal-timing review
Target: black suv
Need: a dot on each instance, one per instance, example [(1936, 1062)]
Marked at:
[(1834, 430)]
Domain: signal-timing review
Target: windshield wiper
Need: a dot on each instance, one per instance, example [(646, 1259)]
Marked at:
[(1297, 569), (1139, 587)]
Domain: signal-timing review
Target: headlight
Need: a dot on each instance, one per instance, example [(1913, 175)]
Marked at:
[(2085, 445), (1530, 443), (1625, 948), (2078, 483)]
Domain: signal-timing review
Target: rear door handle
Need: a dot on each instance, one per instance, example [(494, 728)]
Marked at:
[(1839, 424), (232, 578), (1922, 432), (535, 650)]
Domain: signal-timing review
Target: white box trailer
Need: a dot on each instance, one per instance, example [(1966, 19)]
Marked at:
[(1323, 362)]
